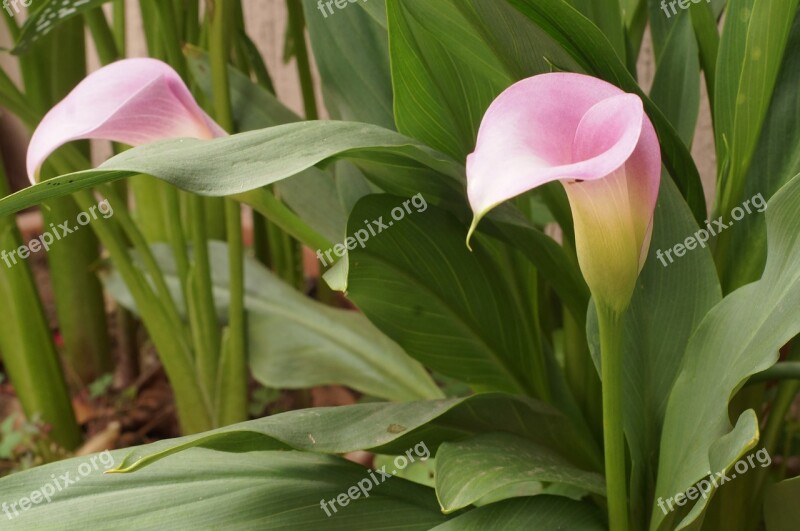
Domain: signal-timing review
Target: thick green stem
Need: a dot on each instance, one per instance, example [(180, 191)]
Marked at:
[(276, 212), (155, 46), (101, 34), (30, 357), (785, 370), (232, 394), (193, 405), (80, 304), (610, 324), (202, 313), (11, 24), (118, 24), (141, 246), (170, 35), (191, 399), (192, 21), (232, 397), (297, 27), (787, 391)]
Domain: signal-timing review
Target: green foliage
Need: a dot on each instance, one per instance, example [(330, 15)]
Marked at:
[(489, 356)]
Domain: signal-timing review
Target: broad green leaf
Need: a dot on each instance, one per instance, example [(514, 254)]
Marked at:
[(482, 466), (521, 47), (704, 23), (606, 15), (440, 96), (656, 312), (781, 511), (776, 161), (634, 16), (676, 86), (387, 428), (451, 58), (206, 489), (422, 472), (594, 53), (536, 513), (739, 337), (419, 284), (751, 51), (247, 161), (548, 257), (377, 10), (297, 343), (449, 308), (352, 56), (46, 15)]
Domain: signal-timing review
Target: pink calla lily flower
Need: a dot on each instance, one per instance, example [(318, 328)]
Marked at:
[(133, 101), (596, 140)]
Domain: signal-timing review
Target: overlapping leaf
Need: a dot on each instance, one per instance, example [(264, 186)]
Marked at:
[(739, 337), (751, 51), (296, 342), (381, 427), (497, 465), (207, 489)]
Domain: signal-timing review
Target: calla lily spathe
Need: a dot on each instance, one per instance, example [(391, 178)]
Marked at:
[(596, 140), (133, 101)]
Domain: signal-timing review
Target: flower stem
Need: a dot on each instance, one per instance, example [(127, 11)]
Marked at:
[(610, 323), (297, 27), (232, 370)]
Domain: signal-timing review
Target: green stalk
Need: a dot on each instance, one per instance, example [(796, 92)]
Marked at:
[(200, 300), (784, 370), (30, 357), (142, 248), (202, 313), (191, 400), (172, 215), (276, 212), (192, 21), (118, 19), (155, 46), (282, 254), (14, 101), (232, 397), (11, 24), (610, 324), (155, 211), (101, 34), (581, 373), (787, 391), (297, 27), (170, 35), (80, 304)]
